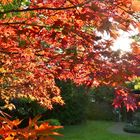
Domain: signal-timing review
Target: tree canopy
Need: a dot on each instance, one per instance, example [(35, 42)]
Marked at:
[(44, 40)]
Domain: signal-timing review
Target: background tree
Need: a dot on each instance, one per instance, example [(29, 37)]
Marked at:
[(46, 39)]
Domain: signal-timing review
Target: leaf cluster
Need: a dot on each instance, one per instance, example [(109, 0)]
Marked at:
[(45, 39), (9, 130), (134, 84)]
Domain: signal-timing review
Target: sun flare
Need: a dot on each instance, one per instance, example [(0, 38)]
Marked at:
[(123, 44)]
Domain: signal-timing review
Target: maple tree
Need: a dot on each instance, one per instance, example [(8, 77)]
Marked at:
[(41, 40)]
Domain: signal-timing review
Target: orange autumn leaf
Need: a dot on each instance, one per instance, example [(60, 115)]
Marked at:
[(36, 131), (136, 5), (5, 1)]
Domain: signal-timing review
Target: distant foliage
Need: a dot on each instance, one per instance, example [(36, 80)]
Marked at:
[(53, 122), (102, 93), (100, 106), (75, 108), (26, 108), (100, 111)]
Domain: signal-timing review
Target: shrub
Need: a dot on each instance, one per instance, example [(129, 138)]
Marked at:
[(131, 128), (100, 111), (102, 94), (54, 122), (75, 108), (100, 107), (136, 119), (25, 108)]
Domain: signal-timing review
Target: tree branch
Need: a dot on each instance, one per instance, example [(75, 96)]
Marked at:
[(46, 8), (129, 12), (22, 23)]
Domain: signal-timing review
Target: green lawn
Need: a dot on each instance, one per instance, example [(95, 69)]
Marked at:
[(93, 130)]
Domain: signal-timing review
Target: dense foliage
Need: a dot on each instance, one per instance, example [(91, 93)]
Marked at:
[(43, 40), (102, 93), (100, 105), (76, 103), (101, 111), (134, 84), (26, 108), (9, 130)]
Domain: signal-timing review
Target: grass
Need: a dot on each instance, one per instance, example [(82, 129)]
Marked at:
[(93, 130)]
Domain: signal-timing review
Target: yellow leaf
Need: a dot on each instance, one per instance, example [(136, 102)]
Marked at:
[(2, 70), (6, 1), (9, 138)]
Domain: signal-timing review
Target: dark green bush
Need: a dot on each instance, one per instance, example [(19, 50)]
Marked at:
[(102, 94), (100, 107), (75, 108), (54, 122), (131, 128), (25, 108), (100, 111)]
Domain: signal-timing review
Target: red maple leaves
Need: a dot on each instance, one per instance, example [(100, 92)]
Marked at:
[(124, 97), (43, 40)]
